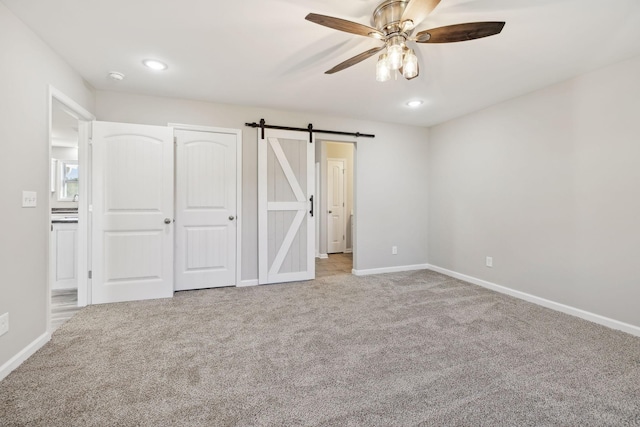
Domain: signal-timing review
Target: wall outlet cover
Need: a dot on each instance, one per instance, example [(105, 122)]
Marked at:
[(489, 262), (394, 250)]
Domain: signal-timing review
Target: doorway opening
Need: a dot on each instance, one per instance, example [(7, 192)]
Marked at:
[(67, 201), (336, 231)]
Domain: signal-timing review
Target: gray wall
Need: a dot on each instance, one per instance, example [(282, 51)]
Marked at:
[(391, 171), (548, 185), (28, 67)]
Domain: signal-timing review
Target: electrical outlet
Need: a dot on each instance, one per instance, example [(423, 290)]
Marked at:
[(4, 324), (394, 250), (489, 262), (29, 199)]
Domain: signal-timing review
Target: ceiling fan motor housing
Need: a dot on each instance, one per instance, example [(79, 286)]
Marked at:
[(387, 16)]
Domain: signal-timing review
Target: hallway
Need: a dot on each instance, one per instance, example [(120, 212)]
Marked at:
[(335, 265)]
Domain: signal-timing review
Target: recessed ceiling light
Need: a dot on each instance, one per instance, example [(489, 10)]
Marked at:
[(414, 104), (154, 64), (114, 75)]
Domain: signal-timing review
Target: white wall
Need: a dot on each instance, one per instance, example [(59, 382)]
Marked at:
[(28, 67), (391, 171), (547, 184)]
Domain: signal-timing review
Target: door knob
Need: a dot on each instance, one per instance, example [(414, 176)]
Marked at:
[(231, 217), (330, 212), (167, 220)]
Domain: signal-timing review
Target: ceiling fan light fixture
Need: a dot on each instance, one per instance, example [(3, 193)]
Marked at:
[(410, 64), (383, 72)]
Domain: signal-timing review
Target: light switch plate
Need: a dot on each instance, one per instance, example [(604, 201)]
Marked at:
[(29, 199)]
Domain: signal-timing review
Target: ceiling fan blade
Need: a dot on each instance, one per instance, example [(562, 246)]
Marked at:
[(459, 32), (417, 10), (356, 59), (344, 25)]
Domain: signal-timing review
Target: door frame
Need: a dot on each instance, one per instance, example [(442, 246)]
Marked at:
[(239, 214), (84, 118), (344, 201), (321, 157)]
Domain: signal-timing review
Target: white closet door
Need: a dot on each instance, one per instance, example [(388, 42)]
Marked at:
[(132, 219), (286, 225), (205, 209)]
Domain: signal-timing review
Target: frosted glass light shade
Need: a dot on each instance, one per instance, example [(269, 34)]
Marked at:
[(410, 65), (394, 53), (383, 72)]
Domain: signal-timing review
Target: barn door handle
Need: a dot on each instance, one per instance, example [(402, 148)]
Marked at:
[(311, 200)]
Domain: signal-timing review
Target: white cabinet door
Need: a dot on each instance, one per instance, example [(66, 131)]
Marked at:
[(64, 250), (205, 209), (286, 226), (132, 219), (336, 202)]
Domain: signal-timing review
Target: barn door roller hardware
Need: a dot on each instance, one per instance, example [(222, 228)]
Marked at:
[(263, 125)]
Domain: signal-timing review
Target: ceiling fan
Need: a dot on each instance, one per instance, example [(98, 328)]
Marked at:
[(395, 21)]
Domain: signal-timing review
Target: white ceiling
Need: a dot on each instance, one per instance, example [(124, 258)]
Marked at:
[(264, 53)]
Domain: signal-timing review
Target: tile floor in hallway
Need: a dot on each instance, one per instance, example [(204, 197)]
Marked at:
[(335, 265)]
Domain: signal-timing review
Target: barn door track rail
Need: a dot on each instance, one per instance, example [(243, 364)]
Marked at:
[(263, 125)]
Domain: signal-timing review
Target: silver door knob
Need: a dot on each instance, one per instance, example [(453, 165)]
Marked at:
[(167, 220), (231, 217)]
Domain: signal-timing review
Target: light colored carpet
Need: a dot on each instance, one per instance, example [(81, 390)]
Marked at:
[(399, 349)]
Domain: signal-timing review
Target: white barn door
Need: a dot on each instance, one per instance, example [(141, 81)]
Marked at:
[(132, 212), (286, 225), (206, 216)]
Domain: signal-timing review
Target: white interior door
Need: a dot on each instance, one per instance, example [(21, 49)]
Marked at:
[(132, 205), (206, 214), (286, 225), (336, 233)]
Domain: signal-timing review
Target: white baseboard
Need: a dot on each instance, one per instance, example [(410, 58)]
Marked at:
[(390, 269), (323, 256), (592, 317), (23, 355), (348, 250), (245, 283)]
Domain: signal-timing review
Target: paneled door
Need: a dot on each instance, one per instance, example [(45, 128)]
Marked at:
[(132, 212), (286, 225), (206, 215), (336, 226)]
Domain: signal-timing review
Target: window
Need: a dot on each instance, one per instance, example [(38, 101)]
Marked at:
[(68, 180)]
